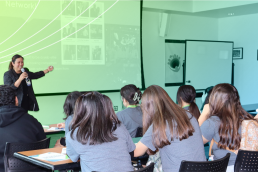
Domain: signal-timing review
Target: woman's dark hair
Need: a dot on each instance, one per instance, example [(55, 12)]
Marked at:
[(224, 102), (131, 93), (16, 56), (160, 110), (187, 94), (7, 95), (70, 103), (94, 119)]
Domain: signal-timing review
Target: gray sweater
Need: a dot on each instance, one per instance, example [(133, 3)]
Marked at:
[(131, 118)]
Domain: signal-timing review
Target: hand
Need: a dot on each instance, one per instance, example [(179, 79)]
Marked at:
[(50, 68), (58, 144), (61, 125), (23, 75)]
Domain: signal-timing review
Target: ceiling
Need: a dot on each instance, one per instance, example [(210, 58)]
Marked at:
[(217, 13)]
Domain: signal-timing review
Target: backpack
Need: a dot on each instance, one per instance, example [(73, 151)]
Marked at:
[(249, 137)]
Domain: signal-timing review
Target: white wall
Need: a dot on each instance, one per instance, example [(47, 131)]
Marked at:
[(180, 27), (243, 30)]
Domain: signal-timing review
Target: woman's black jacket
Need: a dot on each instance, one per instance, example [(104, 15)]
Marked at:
[(10, 77)]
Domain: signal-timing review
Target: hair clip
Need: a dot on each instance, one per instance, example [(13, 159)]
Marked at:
[(135, 96)]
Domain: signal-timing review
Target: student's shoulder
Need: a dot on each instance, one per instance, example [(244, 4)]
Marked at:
[(8, 73), (30, 118), (121, 128), (212, 121), (122, 112)]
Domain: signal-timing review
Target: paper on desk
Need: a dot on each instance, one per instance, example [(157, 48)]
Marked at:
[(51, 156), (56, 129)]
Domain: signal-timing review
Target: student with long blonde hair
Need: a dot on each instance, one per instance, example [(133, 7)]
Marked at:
[(169, 129)]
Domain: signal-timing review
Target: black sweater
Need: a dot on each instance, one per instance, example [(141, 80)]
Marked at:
[(17, 126)]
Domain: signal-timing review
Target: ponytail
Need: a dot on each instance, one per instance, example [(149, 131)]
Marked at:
[(194, 110), (10, 65), (131, 93)]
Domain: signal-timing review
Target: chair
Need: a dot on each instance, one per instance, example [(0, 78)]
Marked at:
[(148, 168), (246, 161), (206, 166), (139, 132), (13, 164)]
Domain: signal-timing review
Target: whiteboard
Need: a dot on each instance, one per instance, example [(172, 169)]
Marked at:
[(208, 63)]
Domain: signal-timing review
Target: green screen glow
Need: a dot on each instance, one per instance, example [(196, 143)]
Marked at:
[(93, 45)]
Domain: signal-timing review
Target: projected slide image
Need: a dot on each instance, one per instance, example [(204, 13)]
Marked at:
[(96, 10), (70, 10), (69, 52), (71, 28), (96, 31), (122, 42), (106, 47), (83, 52), (80, 7), (84, 33), (96, 53)]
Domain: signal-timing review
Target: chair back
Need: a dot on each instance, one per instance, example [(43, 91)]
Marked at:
[(139, 132), (13, 164), (148, 168), (246, 161), (217, 165)]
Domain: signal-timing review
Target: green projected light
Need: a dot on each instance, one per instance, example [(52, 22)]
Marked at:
[(93, 45)]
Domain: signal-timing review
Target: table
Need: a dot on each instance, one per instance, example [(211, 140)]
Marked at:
[(54, 135), (60, 165), (250, 107)]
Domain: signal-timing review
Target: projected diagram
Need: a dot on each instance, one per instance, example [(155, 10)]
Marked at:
[(86, 47)]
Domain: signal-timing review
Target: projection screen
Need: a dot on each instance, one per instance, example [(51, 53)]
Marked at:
[(93, 45)]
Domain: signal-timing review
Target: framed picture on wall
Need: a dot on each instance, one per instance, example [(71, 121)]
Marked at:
[(238, 53), (174, 61)]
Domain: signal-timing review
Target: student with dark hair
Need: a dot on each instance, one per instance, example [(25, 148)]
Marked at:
[(131, 117), (69, 109), (15, 124), (15, 78), (224, 122), (186, 99), (97, 137), (169, 129), (205, 107)]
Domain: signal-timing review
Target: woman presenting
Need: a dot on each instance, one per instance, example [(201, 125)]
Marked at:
[(20, 79)]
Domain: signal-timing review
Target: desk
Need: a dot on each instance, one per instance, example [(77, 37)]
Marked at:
[(250, 107), (136, 139), (54, 135), (60, 165)]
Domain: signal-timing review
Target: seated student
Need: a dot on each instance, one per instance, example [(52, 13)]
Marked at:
[(97, 137), (131, 117), (205, 106), (68, 110), (169, 128), (186, 99), (16, 125), (224, 122)]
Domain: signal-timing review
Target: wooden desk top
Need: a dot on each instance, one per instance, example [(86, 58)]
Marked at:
[(59, 165)]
